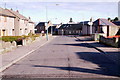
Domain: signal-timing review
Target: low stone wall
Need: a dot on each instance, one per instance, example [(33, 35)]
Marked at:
[(96, 36), (29, 40), (115, 42), (113, 55), (7, 46)]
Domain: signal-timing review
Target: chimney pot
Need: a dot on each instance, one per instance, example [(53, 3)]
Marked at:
[(29, 18), (17, 11)]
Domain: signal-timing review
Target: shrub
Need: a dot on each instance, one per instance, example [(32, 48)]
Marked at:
[(10, 38), (36, 35), (18, 38), (0, 38)]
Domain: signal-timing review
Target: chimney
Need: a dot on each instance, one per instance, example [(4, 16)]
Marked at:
[(91, 19), (17, 11), (11, 9), (29, 18), (109, 20)]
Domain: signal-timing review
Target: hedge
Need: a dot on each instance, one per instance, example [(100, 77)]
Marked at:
[(11, 38), (17, 38)]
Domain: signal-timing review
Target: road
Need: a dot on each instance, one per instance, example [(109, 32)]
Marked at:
[(64, 57)]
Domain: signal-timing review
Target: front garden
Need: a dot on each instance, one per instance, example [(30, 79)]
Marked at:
[(9, 42)]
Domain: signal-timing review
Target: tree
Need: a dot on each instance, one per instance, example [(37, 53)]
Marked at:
[(116, 19), (71, 20), (109, 19)]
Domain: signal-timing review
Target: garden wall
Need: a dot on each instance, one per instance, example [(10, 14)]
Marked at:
[(115, 42)]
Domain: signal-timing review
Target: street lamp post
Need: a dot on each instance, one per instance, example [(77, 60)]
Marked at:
[(46, 24)]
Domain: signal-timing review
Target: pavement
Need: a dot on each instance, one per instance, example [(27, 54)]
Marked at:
[(64, 57), (108, 51), (9, 58)]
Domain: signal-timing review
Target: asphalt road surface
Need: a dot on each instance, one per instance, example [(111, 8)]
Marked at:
[(64, 57)]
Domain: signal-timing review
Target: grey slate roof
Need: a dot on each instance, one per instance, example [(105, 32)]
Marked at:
[(103, 22), (117, 23), (84, 22), (17, 14), (4, 12), (14, 14)]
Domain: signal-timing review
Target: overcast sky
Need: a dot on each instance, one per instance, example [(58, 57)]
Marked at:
[(63, 11)]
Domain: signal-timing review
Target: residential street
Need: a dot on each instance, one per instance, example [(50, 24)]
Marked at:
[(64, 56)]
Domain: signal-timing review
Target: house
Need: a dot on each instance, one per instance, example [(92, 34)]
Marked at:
[(22, 25), (42, 26), (106, 27), (54, 29), (70, 29), (31, 26), (113, 36), (86, 28), (118, 24), (7, 21)]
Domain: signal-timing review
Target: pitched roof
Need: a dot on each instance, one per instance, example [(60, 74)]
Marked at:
[(103, 22), (84, 22), (17, 14), (70, 26), (4, 12), (117, 23), (30, 21)]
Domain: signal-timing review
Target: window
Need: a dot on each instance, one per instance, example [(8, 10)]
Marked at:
[(25, 28), (3, 32)]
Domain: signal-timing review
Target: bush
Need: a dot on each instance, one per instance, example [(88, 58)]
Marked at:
[(18, 38), (11, 38), (0, 38)]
